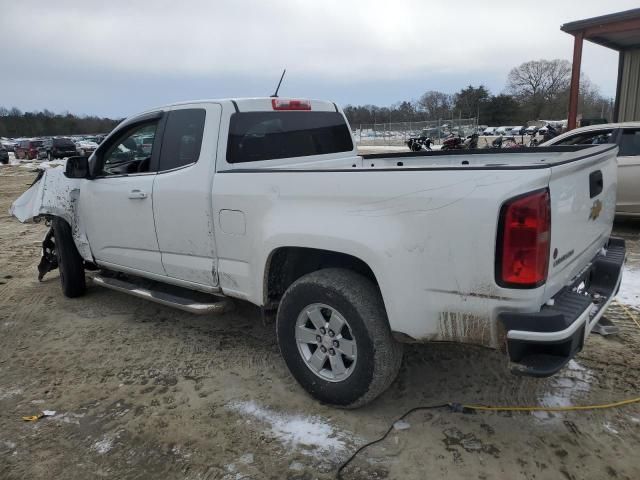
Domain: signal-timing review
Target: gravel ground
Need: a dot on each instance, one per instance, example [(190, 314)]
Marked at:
[(143, 391)]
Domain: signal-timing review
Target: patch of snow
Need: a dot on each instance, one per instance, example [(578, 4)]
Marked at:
[(312, 433), (247, 458), (574, 380), (296, 466), (610, 428), (43, 165), (104, 445), (69, 417), (9, 392), (401, 425), (8, 444), (629, 293)]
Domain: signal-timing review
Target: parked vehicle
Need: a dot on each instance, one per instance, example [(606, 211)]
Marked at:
[(9, 145), (86, 146), (548, 132), (531, 130), (503, 131), (416, 144), (267, 200), (518, 131), (489, 131), (27, 149), (627, 137), (4, 155), (453, 142), (59, 147)]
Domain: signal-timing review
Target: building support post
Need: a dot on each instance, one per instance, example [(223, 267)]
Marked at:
[(575, 80)]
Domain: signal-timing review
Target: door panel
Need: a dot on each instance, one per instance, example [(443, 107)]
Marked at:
[(628, 185), (629, 172), (118, 215), (182, 193), (116, 207)]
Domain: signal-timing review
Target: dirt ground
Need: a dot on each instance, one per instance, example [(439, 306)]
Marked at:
[(143, 391)]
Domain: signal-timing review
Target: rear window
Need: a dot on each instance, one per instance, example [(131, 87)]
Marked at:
[(63, 142), (255, 136)]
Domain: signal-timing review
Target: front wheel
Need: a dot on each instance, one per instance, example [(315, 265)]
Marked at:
[(70, 262), (334, 336)]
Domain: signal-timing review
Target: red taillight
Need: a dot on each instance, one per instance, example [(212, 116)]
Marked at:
[(524, 236), (279, 104)]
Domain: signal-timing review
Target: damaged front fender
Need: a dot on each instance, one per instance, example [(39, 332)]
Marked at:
[(53, 194)]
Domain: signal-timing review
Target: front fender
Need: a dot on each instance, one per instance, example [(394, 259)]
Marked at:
[(56, 195)]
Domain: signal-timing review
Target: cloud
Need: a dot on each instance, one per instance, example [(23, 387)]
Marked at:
[(330, 46)]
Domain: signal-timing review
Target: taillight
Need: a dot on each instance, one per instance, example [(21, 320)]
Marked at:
[(279, 104), (524, 236)]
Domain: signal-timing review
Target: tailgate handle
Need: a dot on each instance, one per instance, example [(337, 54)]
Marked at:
[(595, 183)]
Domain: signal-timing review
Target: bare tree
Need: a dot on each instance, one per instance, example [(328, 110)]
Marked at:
[(435, 104), (539, 83)]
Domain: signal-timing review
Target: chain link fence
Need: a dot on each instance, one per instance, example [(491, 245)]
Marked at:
[(398, 133)]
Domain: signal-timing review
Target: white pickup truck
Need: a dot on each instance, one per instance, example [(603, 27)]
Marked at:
[(267, 200)]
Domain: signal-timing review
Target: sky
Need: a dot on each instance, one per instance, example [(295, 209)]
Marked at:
[(115, 58)]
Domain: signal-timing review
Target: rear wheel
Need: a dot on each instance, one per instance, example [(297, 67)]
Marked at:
[(334, 336), (70, 262)]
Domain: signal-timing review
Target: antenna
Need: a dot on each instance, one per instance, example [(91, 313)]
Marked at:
[(275, 95)]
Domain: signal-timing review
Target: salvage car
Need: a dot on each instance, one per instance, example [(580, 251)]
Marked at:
[(58, 147), (4, 155), (627, 137), (27, 149), (86, 146), (267, 200)]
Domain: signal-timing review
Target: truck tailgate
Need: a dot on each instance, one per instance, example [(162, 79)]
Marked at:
[(583, 202)]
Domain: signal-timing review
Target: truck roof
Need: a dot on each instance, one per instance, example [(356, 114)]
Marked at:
[(253, 104)]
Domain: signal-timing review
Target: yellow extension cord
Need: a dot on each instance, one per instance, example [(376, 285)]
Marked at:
[(601, 406)]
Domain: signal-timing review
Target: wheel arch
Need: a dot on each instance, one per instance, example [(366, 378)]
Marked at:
[(286, 264)]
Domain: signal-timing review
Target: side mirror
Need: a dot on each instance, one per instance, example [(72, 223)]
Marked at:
[(77, 167)]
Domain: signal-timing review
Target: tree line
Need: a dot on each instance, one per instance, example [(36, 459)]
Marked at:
[(535, 90), (15, 123)]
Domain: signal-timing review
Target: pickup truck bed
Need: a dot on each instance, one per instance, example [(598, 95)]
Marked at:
[(462, 246)]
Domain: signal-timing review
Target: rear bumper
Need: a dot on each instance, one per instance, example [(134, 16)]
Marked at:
[(541, 343)]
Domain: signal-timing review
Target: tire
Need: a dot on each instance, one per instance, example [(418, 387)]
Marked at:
[(49, 156), (377, 356), (70, 262)]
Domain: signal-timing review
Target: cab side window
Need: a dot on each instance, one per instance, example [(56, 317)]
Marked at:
[(182, 138), (131, 152), (630, 143)]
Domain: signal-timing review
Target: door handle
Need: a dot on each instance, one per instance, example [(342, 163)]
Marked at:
[(137, 194)]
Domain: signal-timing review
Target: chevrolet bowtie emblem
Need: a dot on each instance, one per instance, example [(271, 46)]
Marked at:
[(595, 210)]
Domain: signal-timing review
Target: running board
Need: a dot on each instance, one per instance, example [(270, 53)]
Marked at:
[(180, 302)]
